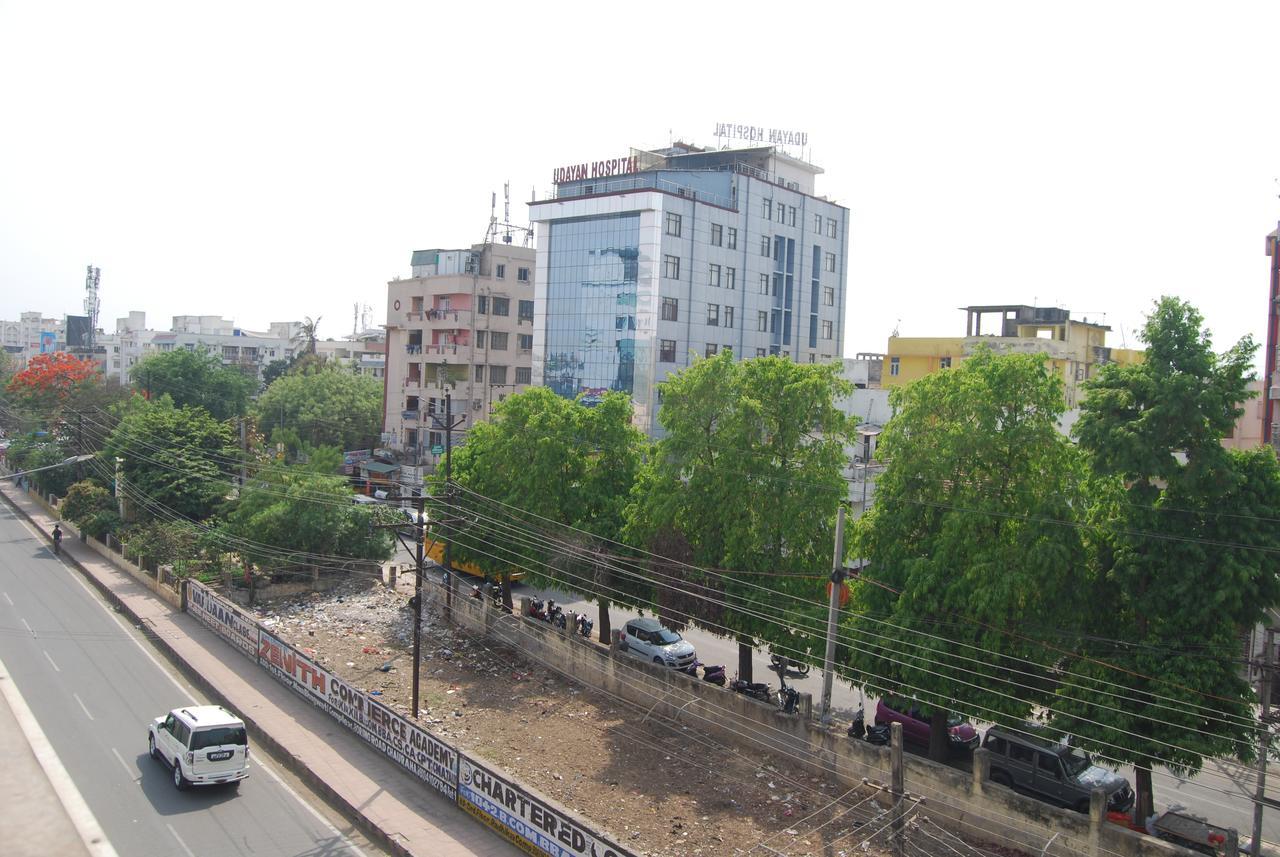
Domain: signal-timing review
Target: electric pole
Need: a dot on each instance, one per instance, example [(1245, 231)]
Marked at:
[(1264, 743), (833, 615), (421, 533), (448, 425)]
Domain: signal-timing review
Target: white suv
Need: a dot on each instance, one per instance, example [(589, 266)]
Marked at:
[(204, 744)]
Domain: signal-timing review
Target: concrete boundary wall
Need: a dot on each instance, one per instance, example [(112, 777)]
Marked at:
[(960, 802)]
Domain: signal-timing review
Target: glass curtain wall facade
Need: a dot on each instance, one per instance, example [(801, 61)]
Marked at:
[(593, 341)]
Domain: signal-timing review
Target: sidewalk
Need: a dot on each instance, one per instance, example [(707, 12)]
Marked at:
[(397, 812)]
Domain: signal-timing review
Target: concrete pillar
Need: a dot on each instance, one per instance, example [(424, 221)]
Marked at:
[(526, 604), (160, 575), (806, 706), (981, 769), (615, 639), (389, 575), (1097, 818)]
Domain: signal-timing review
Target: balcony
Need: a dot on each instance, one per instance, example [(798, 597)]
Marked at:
[(413, 348), (414, 315), (409, 416), (442, 350), (413, 382), (444, 319)]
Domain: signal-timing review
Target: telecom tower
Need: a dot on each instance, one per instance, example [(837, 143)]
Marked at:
[(506, 226), (91, 302)]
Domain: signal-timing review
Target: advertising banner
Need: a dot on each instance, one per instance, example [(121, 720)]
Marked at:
[(227, 620), (525, 819), (414, 749)]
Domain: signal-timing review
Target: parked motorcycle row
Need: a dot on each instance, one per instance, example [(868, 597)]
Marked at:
[(553, 614)]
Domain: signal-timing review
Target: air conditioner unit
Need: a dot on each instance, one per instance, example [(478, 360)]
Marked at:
[(476, 403), (1273, 393)]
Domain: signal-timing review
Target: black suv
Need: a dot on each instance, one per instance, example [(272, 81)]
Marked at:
[(1052, 771)]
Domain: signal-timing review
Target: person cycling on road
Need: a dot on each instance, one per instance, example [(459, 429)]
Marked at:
[(57, 539)]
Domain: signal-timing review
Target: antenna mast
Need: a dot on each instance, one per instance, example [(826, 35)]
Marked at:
[(91, 301)]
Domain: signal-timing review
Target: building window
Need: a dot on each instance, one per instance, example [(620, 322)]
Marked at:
[(728, 316), (760, 352), (482, 304), (666, 351), (826, 330), (713, 278), (717, 234), (894, 366), (671, 267), (497, 376), (502, 306), (730, 278), (764, 284), (832, 229), (522, 274), (811, 357), (829, 296), (525, 310), (829, 262), (711, 349), (524, 341), (733, 238), (480, 373), (524, 375), (481, 337), (944, 363), (502, 272), (498, 340), (791, 216), (766, 208), (766, 246), (670, 309), (762, 321), (673, 224), (817, 223), (713, 315)]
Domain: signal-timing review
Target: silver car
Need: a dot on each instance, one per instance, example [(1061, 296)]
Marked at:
[(646, 638)]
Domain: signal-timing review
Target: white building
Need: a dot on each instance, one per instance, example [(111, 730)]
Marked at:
[(645, 261), (246, 350)]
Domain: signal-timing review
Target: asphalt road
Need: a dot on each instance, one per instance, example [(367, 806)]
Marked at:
[(93, 687)]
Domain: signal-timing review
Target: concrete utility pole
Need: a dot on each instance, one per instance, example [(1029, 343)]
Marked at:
[(895, 762), (1264, 743), (833, 615), (421, 533), (448, 425)]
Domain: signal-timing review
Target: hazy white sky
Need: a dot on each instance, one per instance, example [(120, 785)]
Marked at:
[(266, 161)]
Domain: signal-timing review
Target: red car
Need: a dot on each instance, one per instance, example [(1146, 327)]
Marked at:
[(915, 725)]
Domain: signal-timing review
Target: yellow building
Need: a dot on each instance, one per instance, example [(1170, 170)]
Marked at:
[(1076, 349)]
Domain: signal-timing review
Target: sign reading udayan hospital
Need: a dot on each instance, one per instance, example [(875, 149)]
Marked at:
[(227, 620), (525, 820), (595, 169), (756, 134)]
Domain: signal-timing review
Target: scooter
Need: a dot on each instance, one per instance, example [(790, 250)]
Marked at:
[(537, 610), (714, 675), (583, 625), (874, 734)]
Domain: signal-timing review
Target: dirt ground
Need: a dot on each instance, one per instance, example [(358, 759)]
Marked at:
[(661, 789)]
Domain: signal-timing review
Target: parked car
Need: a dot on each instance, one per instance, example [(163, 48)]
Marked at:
[(916, 726), (204, 745), (1028, 761), (646, 638)]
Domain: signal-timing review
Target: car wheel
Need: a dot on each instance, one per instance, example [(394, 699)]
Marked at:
[(1001, 778), (234, 785), (658, 661), (179, 781), (151, 747)]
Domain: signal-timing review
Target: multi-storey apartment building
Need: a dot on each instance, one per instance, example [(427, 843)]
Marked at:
[(647, 261), (462, 324), (245, 350), (1271, 359)]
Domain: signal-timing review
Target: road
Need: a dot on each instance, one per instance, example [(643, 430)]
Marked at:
[(1221, 792), (93, 685)]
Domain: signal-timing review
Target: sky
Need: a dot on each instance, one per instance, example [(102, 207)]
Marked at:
[(270, 161)]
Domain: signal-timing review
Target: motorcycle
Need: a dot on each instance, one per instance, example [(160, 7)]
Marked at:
[(874, 734), (583, 625), (788, 697), (559, 619), (793, 669), (537, 609), (754, 689)]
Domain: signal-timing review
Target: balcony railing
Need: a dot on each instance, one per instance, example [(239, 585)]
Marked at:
[(414, 315), (409, 416), (413, 348), (445, 350)]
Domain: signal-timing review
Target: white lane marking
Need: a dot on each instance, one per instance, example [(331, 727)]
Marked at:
[(51, 663), (351, 848), (33, 633), (128, 770), (7, 598), (83, 707), (72, 801), (190, 853), (96, 597)]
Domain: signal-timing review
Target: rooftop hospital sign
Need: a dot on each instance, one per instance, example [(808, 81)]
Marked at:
[(595, 169), (756, 134)]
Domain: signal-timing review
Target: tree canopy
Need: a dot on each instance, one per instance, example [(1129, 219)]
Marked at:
[(1184, 534), (542, 468), (970, 544), (747, 477), (180, 458), (327, 407), (195, 378), (49, 379)]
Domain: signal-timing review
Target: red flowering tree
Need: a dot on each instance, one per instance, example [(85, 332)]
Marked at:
[(49, 379)]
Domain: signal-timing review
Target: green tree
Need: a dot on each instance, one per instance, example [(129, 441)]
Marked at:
[(305, 339), (194, 378), (38, 450), (274, 370), (970, 544), (552, 478), (177, 458), (1184, 531), (298, 517), (84, 500), (748, 477), (324, 408)]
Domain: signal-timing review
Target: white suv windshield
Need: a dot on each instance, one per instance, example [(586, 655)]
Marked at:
[(218, 736)]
